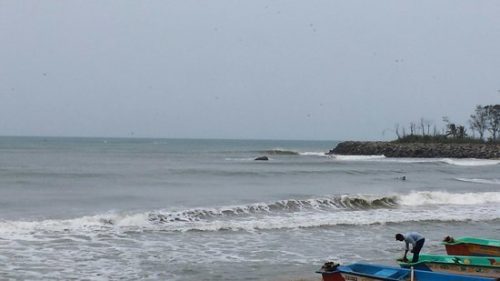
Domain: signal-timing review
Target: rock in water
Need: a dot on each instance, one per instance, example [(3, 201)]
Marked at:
[(262, 158)]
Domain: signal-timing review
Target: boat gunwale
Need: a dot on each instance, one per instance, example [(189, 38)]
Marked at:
[(473, 241), (406, 273), (372, 276), (422, 262), (446, 263)]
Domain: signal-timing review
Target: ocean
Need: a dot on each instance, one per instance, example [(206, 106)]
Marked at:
[(188, 209)]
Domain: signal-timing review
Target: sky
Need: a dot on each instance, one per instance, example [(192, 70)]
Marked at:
[(254, 69)]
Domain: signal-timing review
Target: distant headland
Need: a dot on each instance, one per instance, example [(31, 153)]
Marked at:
[(454, 141)]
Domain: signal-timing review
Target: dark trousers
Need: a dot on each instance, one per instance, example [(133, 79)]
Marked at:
[(416, 250)]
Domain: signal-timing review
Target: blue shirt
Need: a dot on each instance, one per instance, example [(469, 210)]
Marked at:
[(412, 238)]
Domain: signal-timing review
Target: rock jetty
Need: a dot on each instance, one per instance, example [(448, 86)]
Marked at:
[(423, 150)]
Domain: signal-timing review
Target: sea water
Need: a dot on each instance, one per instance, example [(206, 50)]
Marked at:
[(176, 209)]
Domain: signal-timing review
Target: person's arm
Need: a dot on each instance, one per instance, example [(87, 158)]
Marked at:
[(406, 249)]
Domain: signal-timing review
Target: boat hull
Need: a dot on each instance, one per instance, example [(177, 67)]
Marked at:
[(472, 246), (472, 250), (369, 272), (332, 276), (352, 277)]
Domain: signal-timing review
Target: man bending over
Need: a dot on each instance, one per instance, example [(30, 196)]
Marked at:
[(416, 240)]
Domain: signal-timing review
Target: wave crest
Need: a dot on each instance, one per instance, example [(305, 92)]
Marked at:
[(483, 181), (291, 213), (446, 198), (466, 162), (279, 151), (283, 206), (470, 162), (358, 157)]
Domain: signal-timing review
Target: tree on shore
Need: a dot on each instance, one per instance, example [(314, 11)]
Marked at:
[(478, 121), (484, 119), (453, 130), (493, 120), (424, 123), (396, 129)]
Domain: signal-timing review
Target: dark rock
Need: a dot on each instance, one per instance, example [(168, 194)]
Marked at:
[(262, 158), (425, 150)]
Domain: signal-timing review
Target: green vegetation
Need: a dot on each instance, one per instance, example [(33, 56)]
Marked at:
[(437, 139), (485, 122)]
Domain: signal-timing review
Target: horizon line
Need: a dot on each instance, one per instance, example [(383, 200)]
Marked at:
[(170, 138)]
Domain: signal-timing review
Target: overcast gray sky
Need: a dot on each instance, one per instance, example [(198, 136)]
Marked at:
[(281, 69)]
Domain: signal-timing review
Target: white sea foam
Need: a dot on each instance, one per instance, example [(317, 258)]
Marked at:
[(358, 157), (315, 212), (281, 151), (413, 160), (321, 154), (444, 198), (470, 162), (451, 161), (266, 222), (483, 181)]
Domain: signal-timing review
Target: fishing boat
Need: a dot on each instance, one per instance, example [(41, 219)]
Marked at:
[(469, 265), (471, 246), (371, 272)]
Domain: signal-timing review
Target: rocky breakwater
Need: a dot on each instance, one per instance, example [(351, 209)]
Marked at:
[(423, 150)]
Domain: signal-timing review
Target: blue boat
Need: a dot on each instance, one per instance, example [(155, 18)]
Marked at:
[(372, 272)]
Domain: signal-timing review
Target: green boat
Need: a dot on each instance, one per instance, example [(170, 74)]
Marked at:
[(467, 265), (471, 246)]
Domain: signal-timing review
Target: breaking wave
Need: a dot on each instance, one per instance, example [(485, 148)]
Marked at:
[(483, 181), (322, 154), (357, 157), (468, 162), (334, 203), (447, 198), (283, 206), (292, 213), (279, 151)]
